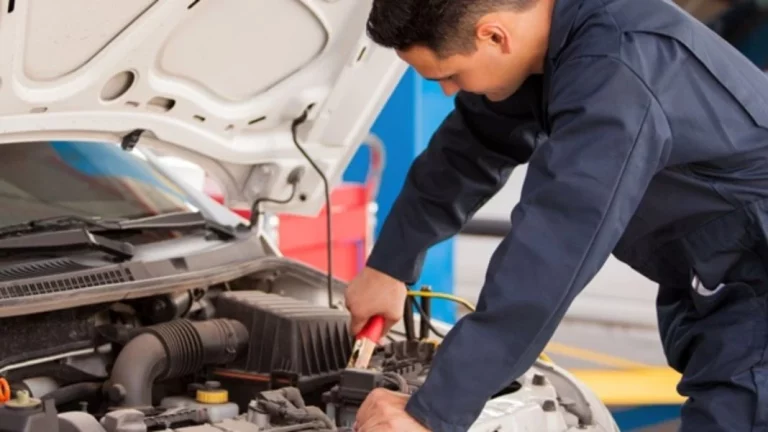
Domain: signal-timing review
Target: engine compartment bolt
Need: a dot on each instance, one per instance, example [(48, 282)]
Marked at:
[(549, 406), (22, 396), (23, 400)]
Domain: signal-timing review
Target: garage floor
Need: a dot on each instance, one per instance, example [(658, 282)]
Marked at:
[(581, 344)]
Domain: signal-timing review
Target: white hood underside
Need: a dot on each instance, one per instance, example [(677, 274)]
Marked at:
[(217, 83)]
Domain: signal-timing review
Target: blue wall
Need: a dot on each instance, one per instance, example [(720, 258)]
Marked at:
[(412, 114)]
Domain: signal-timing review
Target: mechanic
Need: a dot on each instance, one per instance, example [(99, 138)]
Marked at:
[(644, 135)]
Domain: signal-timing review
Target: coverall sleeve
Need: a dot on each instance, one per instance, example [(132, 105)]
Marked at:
[(609, 137), (468, 159)]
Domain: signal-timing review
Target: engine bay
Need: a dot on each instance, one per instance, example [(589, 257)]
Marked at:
[(254, 354)]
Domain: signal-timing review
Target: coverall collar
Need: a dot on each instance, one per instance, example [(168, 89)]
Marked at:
[(563, 19)]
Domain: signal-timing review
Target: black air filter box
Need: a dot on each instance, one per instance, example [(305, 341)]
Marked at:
[(289, 337)]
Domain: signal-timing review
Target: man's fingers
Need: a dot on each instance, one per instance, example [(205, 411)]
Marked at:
[(364, 412), (375, 415), (388, 324), (375, 425), (357, 323), (371, 405), (371, 423), (359, 315)]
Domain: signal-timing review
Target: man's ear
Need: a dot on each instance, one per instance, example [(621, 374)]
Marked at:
[(493, 34)]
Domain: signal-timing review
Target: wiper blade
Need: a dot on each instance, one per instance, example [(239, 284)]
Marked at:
[(179, 220), (182, 220), (39, 225), (65, 241), (74, 232)]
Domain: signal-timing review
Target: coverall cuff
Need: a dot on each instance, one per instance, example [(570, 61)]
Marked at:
[(429, 418), (394, 263)]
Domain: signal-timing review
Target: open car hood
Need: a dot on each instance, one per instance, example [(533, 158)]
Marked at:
[(217, 83)]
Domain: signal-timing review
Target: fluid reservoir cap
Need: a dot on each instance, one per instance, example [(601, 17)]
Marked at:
[(23, 400), (212, 396)]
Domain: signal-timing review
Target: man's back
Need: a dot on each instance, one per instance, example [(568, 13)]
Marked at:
[(716, 104), (701, 227)]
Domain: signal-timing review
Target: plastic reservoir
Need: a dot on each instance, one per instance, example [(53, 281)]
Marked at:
[(216, 412)]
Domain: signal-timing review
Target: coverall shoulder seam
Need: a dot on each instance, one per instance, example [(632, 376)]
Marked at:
[(590, 247), (580, 267), (621, 61)]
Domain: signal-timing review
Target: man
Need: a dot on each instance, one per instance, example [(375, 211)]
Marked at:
[(644, 135)]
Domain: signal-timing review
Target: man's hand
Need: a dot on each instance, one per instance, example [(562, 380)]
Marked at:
[(375, 293), (384, 411)]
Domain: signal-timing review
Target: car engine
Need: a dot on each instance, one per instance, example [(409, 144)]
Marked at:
[(254, 354)]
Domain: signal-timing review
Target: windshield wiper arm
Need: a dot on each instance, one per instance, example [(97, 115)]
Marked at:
[(179, 220), (40, 225), (65, 233), (66, 240)]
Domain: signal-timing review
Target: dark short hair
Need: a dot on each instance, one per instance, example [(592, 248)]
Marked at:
[(444, 26)]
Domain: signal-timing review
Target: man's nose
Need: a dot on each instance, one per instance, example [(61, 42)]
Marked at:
[(449, 88)]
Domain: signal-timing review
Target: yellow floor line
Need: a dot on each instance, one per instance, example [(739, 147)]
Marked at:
[(594, 357), (649, 386), (626, 382)]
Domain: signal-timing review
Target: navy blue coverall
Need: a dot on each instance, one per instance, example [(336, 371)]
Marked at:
[(646, 137)]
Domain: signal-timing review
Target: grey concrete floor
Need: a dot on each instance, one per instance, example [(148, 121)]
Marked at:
[(640, 346)]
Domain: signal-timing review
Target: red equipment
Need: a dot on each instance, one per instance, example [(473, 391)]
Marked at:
[(304, 238)]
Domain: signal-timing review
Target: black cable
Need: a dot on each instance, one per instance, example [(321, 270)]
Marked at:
[(74, 392), (294, 134), (277, 201), (410, 333), (398, 381), (426, 306), (256, 211), (424, 316)]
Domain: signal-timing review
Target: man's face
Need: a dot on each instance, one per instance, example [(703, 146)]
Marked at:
[(504, 58), (480, 72)]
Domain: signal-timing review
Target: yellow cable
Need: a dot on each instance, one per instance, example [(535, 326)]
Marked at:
[(631, 383), (466, 303), (445, 296)]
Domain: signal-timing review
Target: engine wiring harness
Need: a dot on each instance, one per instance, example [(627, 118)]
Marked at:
[(425, 294)]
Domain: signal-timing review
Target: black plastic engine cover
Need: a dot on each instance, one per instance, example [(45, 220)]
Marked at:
[(408, 360), (289, 336), (40, 418), (40, 335)]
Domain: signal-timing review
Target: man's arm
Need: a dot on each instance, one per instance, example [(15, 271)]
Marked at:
[(468, 160), (609, 137)]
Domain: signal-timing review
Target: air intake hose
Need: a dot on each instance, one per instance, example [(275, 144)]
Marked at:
[(171, 350)]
